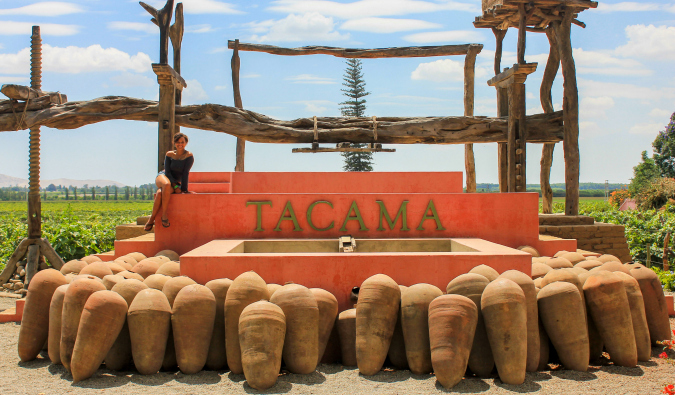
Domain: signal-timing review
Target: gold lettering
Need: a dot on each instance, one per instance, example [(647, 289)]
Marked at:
[(356, 217), (434, 216), (290, 217), (258, 212), (402, 212), (309, 215)]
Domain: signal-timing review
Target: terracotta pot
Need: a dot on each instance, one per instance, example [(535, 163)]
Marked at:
[(540, 270), (73, 266), (146, 267), (301, 344), (247, 288), (415, 324), (559, 263), (376, 314), (149, 320), (98, 269), (102, 320), (485, 271), (471, 285), (328, 311), (156, 281), (505, 313), (120, 356), (638, 316), (192, 318), (527, 285), (452, 323), (217, 358), (55, 311), (656, 309), (171, 255), (171, 289), (111, 280), (530, 250), (262, 329), (171, 269), (396, 352), (347, 330)]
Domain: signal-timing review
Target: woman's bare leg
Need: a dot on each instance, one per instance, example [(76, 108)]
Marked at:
[(164, 189), (167, 190), (155, 208)]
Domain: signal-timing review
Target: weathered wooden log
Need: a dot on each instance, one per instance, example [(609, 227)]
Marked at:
[(471, 285), (415, 324), (259, 128), (394, 52), (452, 324)]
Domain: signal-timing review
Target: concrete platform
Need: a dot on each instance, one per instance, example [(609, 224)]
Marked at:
[(13, 314)]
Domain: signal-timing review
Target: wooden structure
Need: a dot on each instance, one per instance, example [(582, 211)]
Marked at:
[(34, 248), (469, 50), (553, 17)]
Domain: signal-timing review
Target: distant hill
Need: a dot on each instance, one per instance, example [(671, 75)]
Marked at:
[(7, 181)]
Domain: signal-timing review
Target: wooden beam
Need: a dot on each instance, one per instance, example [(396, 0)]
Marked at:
[(521, 33), (469, 82), (518, 73), (393, 52), (161, 18), (34, 204), (255, 127), (345, 149), (176, 34), (570, 111), (241, 143), (499, 37), (550, 72)]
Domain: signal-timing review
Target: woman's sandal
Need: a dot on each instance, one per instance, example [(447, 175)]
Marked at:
[(148, 226), (165, 223)]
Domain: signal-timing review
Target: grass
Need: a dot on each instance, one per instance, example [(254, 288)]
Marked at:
[(80, 206)]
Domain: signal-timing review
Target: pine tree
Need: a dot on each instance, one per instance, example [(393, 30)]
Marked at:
[(126, 193), (93, 193), (355, 106), (67, 197), (107, 193), (75, 192), (115, 192)]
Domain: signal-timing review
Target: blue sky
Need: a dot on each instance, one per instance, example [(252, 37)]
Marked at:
[(94, 48)]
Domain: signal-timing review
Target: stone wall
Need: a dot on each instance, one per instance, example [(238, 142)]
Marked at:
[(590, 235)]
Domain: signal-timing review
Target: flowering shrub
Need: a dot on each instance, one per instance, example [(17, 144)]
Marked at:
[(669, 389), (657, 194), (617, 197)]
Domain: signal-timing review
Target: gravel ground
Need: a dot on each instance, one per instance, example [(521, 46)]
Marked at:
[(41, 377)]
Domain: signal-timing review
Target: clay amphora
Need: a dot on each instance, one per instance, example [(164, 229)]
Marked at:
[(471, 285), (171, 269), (485, 271), (156, 281), (559, 263), (564, 319), (638, 316), (530, 250), (35, 322), (90, 259), (262, 329), (119, 355), (102, 319), (452, 323), (73, 302), (328, 310), (415, 324), (607, 302), (527, 285), (146, 267), (73, 266), (55, 311), (301, 344), (540, 270), (149, 320), (589, 264), (217, 358), (247, 288), (192, 317), (376, 314), (172, 255), (607, 258), (272, 288), (111, 280), (98, 269), (505, 313), (126, 262), (573, 257), (171, 289), (347, 330), (614, 266), (396, 352), (656, 309)]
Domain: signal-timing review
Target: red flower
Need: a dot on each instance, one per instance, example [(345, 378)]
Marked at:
[(663, 355), (669, 389)]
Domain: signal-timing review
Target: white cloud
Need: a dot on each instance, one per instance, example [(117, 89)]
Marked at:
[(45, 8), (629, 6), (135, 26), (219, 50), (221, 87), (316, 107), (590, 88), (387, 25), (9, 28), (194, 93), (646, 128), (443, 70), (129, 80), (595, 107), (74, 60), (205, 28), (203, 7), (310, 79), (649, 42), (604, 63), (659, 113), (4, 79), (311, 26), (250, 75), (370, 8), (446, 36)]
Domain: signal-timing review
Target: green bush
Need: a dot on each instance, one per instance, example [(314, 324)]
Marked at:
[(666, 278), (656, 193)]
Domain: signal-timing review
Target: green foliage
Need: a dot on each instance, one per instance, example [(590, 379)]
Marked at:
[(664, 149), (74, 229), (643, 174), (355, 106), (656, 194), (666, 278)]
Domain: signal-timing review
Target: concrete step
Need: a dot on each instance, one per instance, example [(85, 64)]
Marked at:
[(209, 177), (210, 187)]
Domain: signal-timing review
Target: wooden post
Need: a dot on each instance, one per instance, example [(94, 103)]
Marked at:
[(522, 30), (176, 35), (550, 72), (570, 112), (241, 143), (34, 203), (161, 18), (502, 111), (469, 82), (168, 81)]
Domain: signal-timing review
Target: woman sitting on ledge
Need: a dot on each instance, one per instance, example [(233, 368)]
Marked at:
[(173, 179)]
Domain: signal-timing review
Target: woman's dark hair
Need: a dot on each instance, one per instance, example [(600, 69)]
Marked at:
[(177, 137)]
